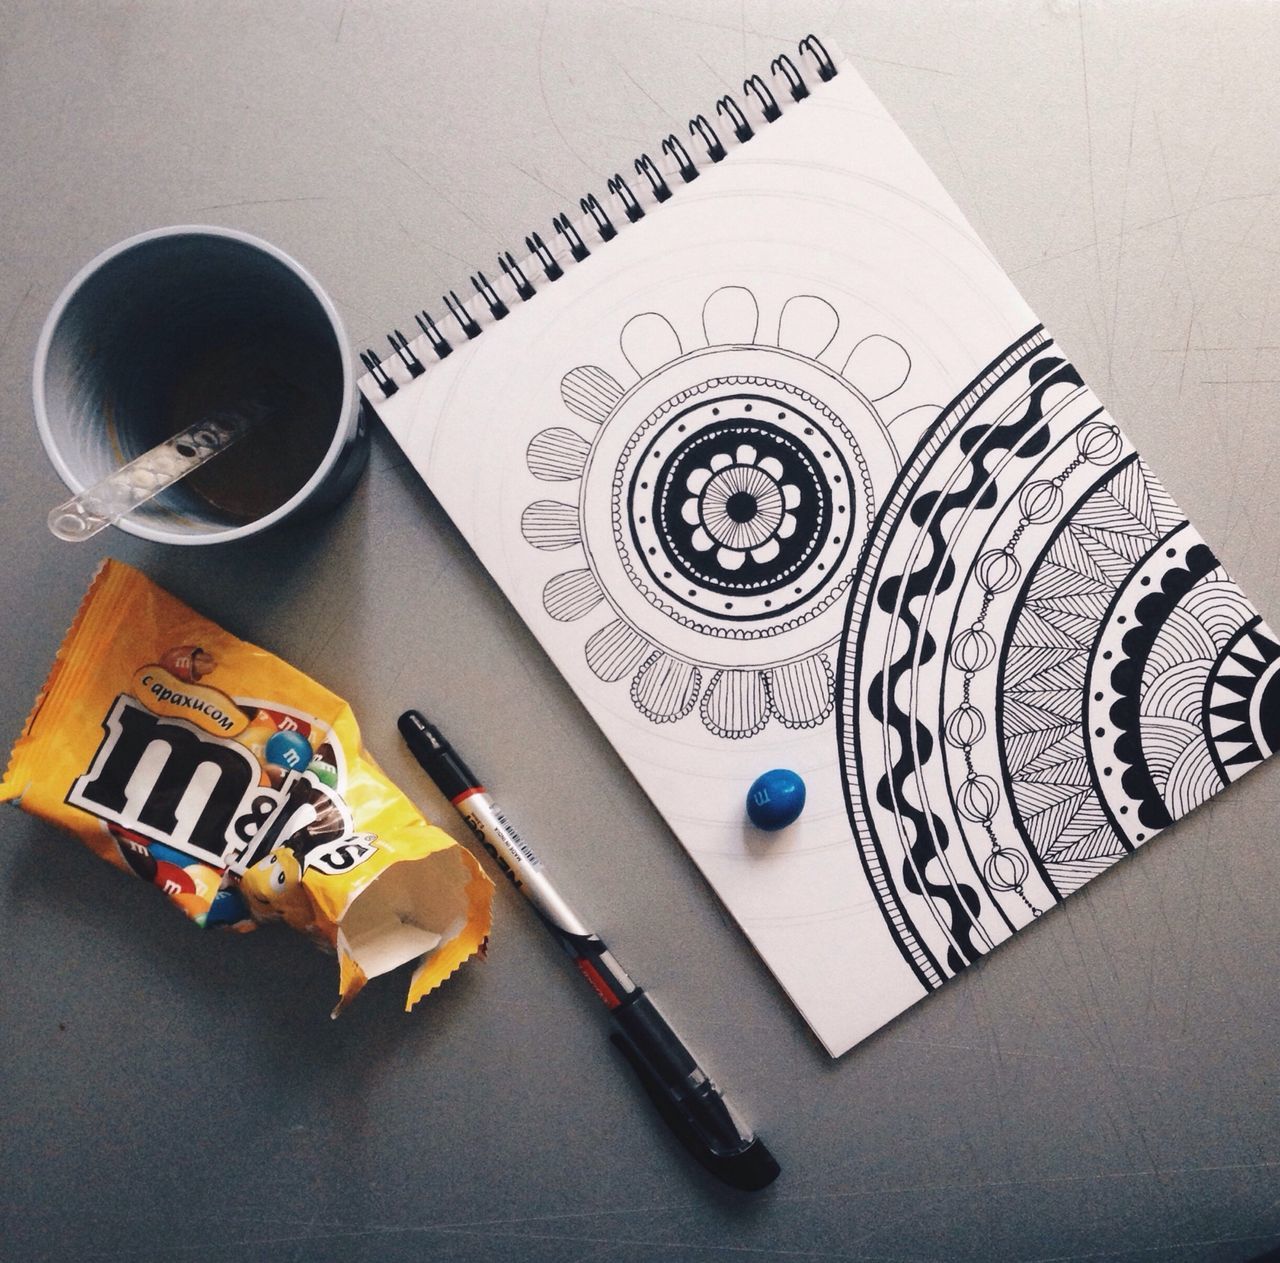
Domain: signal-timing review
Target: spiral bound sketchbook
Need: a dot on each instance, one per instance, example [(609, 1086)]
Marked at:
[(781, 470)]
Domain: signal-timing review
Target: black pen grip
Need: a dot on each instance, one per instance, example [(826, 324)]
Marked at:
[(638, 1018), (687, 1099)]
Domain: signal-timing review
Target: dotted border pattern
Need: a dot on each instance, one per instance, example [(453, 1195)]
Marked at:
[(757, 630)]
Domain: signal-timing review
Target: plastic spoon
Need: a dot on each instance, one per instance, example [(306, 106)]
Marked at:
[(117, 495)]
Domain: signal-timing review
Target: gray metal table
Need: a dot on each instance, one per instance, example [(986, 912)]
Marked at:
[(1105, 1089)]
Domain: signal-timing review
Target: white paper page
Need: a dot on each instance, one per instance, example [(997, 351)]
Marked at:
[(672, 458)]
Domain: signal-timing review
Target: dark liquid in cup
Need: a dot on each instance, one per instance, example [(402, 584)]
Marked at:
[(295, 396)]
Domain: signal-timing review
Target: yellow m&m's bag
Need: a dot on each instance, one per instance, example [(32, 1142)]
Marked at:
[(239, 787)]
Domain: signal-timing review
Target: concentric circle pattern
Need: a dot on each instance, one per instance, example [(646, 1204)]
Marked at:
[(739, 506), (722, 500), (1043, 665)]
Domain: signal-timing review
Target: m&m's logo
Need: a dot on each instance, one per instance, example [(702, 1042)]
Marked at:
[(165, 780)]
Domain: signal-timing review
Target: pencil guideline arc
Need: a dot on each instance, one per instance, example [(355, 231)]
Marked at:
[(627, 201)]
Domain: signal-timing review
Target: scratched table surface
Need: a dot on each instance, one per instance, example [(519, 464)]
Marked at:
[(1105, 1089)]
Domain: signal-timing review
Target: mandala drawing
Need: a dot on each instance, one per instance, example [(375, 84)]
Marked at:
[(1043, 665), (720, 502)]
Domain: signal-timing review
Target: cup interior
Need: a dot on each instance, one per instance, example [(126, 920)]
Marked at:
[(175, 326)]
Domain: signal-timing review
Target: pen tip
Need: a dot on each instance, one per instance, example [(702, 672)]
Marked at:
[(751, 1170)]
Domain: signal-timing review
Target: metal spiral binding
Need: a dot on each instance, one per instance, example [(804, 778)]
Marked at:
[(622, 191), (698, 126), (489, 305), (646, 167)]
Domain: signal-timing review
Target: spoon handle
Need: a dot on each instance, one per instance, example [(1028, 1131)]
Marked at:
[(97, 507)]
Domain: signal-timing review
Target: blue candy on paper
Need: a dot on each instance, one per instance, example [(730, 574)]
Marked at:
[(289, 750), (775, 799)]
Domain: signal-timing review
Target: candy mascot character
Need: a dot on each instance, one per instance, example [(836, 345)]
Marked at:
[(273, 890)]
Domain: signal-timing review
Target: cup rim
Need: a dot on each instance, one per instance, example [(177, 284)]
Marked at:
[(347, 418)]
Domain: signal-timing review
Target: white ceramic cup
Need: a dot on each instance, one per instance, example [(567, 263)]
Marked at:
[(134, 319)]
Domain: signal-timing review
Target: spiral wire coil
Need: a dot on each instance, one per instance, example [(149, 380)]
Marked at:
[(467, 319)]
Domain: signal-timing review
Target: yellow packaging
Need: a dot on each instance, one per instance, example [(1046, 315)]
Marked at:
[(239, 787)]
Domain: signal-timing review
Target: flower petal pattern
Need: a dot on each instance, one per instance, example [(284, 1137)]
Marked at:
[(571, 595), (590, 393), (730, 317), (697, 480), (746, 498), (801, 692), (648, 341), (877, 366), (557, 455), (665, 689), (807, 325), (736, 704), (740, 506), (551, 525), (616, 650)]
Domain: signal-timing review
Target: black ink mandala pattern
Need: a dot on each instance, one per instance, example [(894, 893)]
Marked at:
[(722, 503), (1043, 665)]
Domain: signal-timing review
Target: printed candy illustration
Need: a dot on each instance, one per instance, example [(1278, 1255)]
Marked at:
[(143, 784)]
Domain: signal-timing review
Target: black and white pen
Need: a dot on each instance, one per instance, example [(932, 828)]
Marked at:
[(683, 1092)]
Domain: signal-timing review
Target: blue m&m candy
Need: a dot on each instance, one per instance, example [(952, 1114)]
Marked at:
[(289, 750), (228, 908), (775, 799)]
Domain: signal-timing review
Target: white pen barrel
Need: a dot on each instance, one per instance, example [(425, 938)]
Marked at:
[(499, 837)]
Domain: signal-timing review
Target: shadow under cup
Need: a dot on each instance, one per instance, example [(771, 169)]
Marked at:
[(171, 327)]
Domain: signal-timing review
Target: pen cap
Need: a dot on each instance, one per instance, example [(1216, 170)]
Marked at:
[(436, 757)]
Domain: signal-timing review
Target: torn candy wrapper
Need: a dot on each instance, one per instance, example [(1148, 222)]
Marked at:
[(238, 785)]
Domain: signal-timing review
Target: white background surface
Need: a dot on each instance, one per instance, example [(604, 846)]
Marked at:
[(1106, 1088)]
